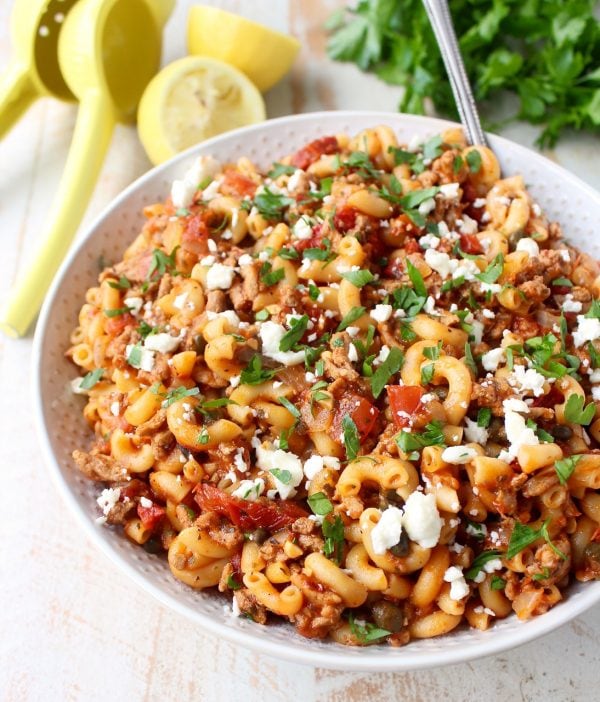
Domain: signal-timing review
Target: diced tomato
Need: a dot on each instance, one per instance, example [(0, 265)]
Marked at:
[(115, 325), (470, 244), (150, 516), (412, 246), (195, 235), (554, 397), (312, 152), (314, 242), (345, 218), (269, 514), (560, 290), (405, 401), (361, 411), (237, 184)]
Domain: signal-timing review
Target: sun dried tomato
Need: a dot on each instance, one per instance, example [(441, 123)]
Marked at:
[(405, 401), (150, 516), (312, 152), (361, 411)]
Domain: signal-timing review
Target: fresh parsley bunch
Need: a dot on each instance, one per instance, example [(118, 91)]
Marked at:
[(547, 52)]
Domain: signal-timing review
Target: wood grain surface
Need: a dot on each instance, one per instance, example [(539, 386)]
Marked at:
[(72, 626)]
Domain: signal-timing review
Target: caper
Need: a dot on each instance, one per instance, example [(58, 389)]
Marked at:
[(153, 545), (561, 432), (199, 343), (514, 238), (592, 552), (259, 535), (388, 616), (401, 548)]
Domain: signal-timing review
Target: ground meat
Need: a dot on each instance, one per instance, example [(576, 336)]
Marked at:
[(525, 327), (152, 425), (580, 294), (239, 299), (249, 605), (548, 565), (499, 324), (322, 609), (304, 525), (336, 361), (289, 296), (549, 264), (491, 393), (135, 269), (505, 498), (535, 290), (162, 444), (205, 376), (165, 286), (161, 371), (444, 166), (220, 530), (216, 301), (98, 467)]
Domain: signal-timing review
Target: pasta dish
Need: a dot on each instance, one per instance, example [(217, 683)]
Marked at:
[(358, 391)]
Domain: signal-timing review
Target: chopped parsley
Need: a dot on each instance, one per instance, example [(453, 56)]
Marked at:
[(122, 284), (290, 407), (416, 279), (351, 437), (386, 370), (524, 535), (366, 633), (271, 205), (480, 560), (565, 467), (358, 278), (298, 327), (280, 169), (269, 276), (320, 504), (90, 379), (354, 314), (284, 476), (493, 271), (575, 411), (433, 435), (255, 374), (484, 417), (333, 531), (427, 373), (474, 161)]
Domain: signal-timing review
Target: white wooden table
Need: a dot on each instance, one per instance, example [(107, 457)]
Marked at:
[(72, 626)]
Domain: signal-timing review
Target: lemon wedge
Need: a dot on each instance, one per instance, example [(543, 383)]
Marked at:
[(191, 100), (263, 54)]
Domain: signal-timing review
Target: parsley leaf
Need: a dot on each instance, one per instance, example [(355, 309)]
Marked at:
[(298, 326), (524, 535), (255, 374), (575, 411), (90, 379), (474, 161), (366, 633), (359, 278), (122, 284), (160, 263), (320, 504), (280, 169), (497, 583), (427, 372), (351, 437), (386, 370), (333, 531), (484, 417), (175, 394), (480, 560), (493, 271), (354, 314), (416, 197), (290, 407), (416, 279), (271, 205), (414, 441), (565, 467), (270, 276), (284, 476)]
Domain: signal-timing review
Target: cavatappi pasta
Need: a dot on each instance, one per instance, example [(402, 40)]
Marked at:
[(358, 391)]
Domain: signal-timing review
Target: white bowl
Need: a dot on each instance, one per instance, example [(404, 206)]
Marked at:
[(61, 426)]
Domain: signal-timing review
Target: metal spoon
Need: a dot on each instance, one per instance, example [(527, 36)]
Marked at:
[(441, 23)]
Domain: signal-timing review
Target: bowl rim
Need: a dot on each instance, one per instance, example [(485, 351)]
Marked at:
[(334, 658)]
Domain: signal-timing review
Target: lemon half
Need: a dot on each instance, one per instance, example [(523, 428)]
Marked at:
[(263, 54), (191, 100)]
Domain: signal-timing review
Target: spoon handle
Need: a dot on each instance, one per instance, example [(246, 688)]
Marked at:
[(441, 23)]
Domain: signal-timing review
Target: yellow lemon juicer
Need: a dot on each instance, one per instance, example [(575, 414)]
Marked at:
[(33, 71), (108, 50)]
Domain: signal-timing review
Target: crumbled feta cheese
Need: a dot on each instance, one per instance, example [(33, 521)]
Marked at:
[(475, 433), (268, 460), (458, 585), (564, 254), (517, 431), (571, 305), (382, 356), (440, 262), (429, 306), (245, 260), (479, 202), (476, 530), (429, 241), (422, 520), (527, 379), (219, 277), (146, 362), (596, 393), (271, 334), (229, 315), (250, 489), (467, 225), (493, 565), (163, 343), (352, 353), (295, 180), (107, 499), (302, 229), (458, 454), (427, 206), (76, 386), (488, 314), (477, 331), (530, 246), (381, 313), (182, 191), (179, 301), (449, 190), (352, 331), (386, 533), (115, 408), (234, 381), (134, 304), (492, 359), (145, 502), (588, 330)]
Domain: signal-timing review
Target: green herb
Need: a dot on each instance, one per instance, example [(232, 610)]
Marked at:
[(545, 54), (320, 254), (144, 329), (484, 417), (203, 436), (497, 583), (474, 161), (334, 538), (594, 355), (493, 271), (182, 212), (203, 184), (320, 504), (427, 372), (284, 476), (414, 441), (359, 278), (280, 169), (457, 164), (160, 263), (232, 583), (216, 403), (575, 411), (416, 197), (270, 276), (288, 254), (562, 282), (452, 284), (271, 205), (366, 633), (262, 315), (565, 467), (475, 530), (544, 575), (351, 437), (135, 356), (298, 326), (524, 535), (405, 298), (117, 312), (90, 379), (255, 374), (480, 560), (354, 314), (176, 394), (433, 352), (386, 370), (542, 434), (594, 311), (291, 408), (416, 279), (360, 161), (469, 359), (122, 284), (283, 438)]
